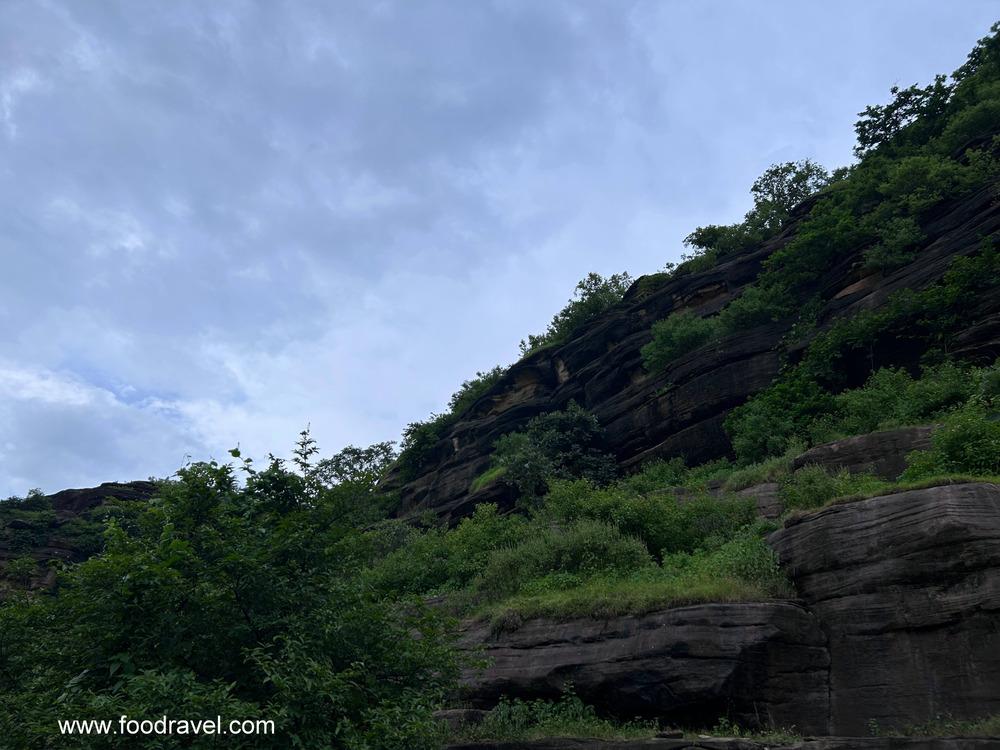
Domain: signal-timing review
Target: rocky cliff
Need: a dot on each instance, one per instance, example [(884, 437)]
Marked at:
[(680, 411)]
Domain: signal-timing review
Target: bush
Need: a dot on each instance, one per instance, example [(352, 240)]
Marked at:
[(747, 557), (435, 560), (584, 548), (567, 717), (663, 524), (675, 335), (813, 487), (967, 443), (593, 296), (250, 585), (566, 444)]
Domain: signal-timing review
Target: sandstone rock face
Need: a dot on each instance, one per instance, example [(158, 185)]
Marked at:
[(680, 412), (78, 501), (907, 590), (762, 663), (880, 453), (767, 499), (54, 534)]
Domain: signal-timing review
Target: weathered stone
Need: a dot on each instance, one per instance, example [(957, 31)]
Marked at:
[(763, 663), (681, 411), (766, 497), (458, 719), (907, 589), (880, 453)]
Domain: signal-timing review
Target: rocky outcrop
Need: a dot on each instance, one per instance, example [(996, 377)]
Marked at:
[(880, 453), (61, 526), (681, 411), (907, 589), (763, 664), (79, 501)]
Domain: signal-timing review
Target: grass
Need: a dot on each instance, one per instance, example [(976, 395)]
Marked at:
[(487, 478), (539, 719), (944, 726), (639, 594), (894, 488)]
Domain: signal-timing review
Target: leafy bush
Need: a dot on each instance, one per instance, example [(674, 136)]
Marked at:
[(585, 548), (230, 600), (567, 717), (662, 523), (420, 439), (593, 296), (675, 335), (470, 390), (564, 444), (813, 487), (968, 442), (435, 560)]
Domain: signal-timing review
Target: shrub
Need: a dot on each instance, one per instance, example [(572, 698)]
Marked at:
[(470, 390), (662, 523), (584, 548), (813, 487), (593, 296), (748, 558), (435, 560), (898, 240), (566, 444), (567, 717), (675, 335), (968, 442)]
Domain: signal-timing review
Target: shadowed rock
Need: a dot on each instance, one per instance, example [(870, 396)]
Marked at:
[(763, 663), (907, 589)]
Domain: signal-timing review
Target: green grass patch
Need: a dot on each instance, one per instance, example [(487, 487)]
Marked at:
[(614, 597), (945, 726), (538, 719), (487, 478)]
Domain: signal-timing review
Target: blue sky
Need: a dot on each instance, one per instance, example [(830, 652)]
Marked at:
[(225, 221)]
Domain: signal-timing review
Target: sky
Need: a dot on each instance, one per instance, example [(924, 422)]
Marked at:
[(224, 222)]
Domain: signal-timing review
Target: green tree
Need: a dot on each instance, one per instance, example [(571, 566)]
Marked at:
[(593, 295), (238, 601)]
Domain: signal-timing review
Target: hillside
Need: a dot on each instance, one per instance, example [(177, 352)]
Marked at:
[(750, 501)]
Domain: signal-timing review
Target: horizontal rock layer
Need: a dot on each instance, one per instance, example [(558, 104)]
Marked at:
[(764, 664), (907, 589), (680, 412)]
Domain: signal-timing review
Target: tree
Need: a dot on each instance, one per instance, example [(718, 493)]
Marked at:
[(593, 295), (238, 601)]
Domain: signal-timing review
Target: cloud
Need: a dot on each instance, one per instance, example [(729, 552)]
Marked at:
[(224, 221)]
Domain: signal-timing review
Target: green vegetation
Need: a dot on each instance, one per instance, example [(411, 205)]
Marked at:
[(927, 147), (565, 444), (593, 296), (294, 596), (235, 601), (673, 336), (488, 477), (944, 726), (567, 717)]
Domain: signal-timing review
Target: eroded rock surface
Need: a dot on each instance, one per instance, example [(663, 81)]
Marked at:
[(681, 411), (880, 453), (763, 663), (907, 589)]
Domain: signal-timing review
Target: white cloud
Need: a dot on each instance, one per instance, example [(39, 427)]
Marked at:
[(14, 86)]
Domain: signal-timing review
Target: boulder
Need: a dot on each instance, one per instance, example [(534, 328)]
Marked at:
[(760, 663), (907, 590), (880, 453)]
